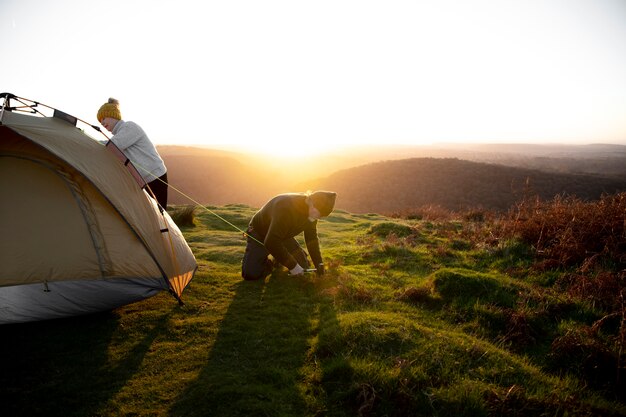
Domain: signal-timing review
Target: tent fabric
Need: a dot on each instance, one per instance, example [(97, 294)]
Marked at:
[(72, 213), (34, 302)]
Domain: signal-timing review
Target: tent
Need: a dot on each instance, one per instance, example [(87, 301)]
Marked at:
[(78, 231)]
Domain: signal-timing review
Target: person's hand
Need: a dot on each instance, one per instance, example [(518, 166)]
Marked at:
[(320, 269), (297, 270)]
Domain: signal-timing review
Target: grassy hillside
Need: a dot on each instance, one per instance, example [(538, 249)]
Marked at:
[(447, 317)]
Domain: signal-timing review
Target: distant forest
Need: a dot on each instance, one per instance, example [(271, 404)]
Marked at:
[(367, 184), (391, 186)]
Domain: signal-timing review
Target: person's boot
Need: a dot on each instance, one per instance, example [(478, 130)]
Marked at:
[(269, 267)]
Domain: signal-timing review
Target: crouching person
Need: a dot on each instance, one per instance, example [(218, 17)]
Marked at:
[(277, 224)]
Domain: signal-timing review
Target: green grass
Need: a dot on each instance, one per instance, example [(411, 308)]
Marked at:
[(412, 318)]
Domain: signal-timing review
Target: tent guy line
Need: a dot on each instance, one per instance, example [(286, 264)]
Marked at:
[(245, 234)]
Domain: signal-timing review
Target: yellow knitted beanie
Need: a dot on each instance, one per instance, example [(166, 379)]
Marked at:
[(110, 109)]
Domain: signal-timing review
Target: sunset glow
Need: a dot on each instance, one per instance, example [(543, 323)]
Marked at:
[(293, 78)]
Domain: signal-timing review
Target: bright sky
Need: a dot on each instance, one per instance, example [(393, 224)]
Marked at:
[(309, 75)]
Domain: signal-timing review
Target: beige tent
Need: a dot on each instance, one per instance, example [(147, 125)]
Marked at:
[(78, 234)]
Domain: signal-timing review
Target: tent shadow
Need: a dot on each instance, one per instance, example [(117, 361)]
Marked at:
[(255, 364), (62, 367)]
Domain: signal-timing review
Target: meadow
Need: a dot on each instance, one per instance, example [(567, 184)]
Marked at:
[(430, 313)]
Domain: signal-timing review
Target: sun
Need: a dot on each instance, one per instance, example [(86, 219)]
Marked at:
[(286, 150)]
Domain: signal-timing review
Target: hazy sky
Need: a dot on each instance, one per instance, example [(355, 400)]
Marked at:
[(307, 75)]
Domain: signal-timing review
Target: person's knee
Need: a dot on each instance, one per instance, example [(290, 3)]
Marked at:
[(248, 276), (253, 274)]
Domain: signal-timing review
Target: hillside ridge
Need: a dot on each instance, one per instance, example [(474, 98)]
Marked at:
[(454, 184), (223, 177)]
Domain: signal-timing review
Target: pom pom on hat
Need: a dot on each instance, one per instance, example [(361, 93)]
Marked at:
[(324, 201), (110, 109)]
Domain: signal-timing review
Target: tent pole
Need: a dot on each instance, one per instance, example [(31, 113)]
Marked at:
[(5, 104)]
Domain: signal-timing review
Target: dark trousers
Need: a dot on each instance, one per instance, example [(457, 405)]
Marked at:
[(159, 189), (256, 263)]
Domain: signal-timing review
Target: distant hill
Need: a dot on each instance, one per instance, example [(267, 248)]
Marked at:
[(217, 178), (391, 186), (410, 176), (607, 160)]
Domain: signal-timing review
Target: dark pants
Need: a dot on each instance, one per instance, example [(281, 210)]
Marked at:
[(257, 265), (159, 189)]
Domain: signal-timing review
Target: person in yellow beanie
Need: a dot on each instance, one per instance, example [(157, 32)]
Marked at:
[(133, 141), (276, 224)]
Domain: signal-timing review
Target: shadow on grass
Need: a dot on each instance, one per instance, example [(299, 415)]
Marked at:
[(63, 367), (255, 366)]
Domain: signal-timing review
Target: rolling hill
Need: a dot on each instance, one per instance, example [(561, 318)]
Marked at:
[(391, 186), (366, 184)]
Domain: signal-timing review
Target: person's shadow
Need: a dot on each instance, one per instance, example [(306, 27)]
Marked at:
[(256, 364), (43, 372)]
